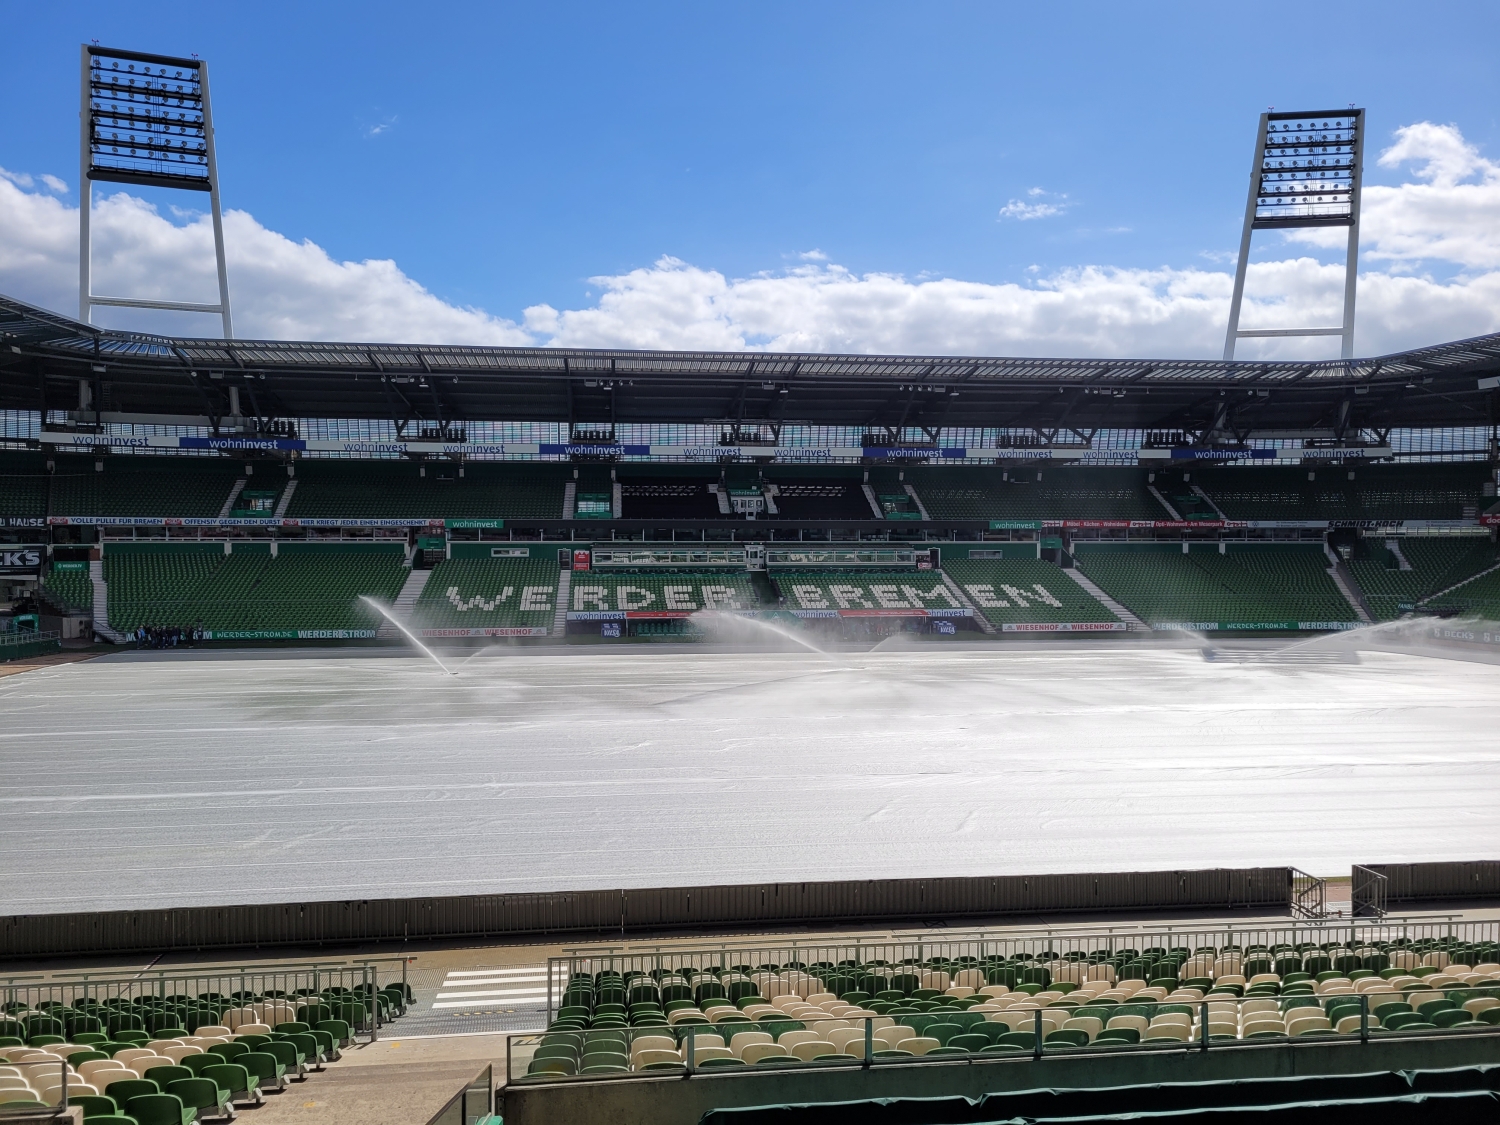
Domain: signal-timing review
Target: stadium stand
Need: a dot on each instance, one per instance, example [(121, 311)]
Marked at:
[(1434, 491), (1433, 564), (805, 495), (1025, 591), (304, 587), (176, 1059), (938, 1008), (1033, 494), (479, 593), (1249, 586), (1478, 597), (70, 586), (23, 485), (662, 497), (142, 486), (400, 490)]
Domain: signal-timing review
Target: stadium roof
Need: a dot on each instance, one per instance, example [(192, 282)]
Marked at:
[(43, 355)]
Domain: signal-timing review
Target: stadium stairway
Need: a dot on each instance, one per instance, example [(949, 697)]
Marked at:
[(286, 498), (958, 592), (234, 494), (1105, 600), (563, 600), (1339, 572), (101, 605), (406, 601)]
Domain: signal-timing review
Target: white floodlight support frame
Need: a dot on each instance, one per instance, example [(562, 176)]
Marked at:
[(87, 299), (1351, 253)]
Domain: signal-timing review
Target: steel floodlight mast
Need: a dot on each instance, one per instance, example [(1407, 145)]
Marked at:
[(1306, 173), (146, 119)]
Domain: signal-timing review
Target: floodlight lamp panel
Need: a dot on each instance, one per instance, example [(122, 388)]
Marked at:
[(1308, 169), (147, 121)]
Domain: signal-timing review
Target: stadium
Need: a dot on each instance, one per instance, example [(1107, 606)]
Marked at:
[(728, 737)]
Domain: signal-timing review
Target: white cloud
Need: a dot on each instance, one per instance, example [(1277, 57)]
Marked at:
[(54, 184), (279, 289), (1020, 209), (1448, 214), (1451, 215)]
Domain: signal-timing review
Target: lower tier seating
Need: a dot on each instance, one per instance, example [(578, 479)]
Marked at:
[(1477, 598), (174, 1060), (1016, 591), (596, 591), (830, 591), (1251, 585), (612, 1022), (71, 586), (1436, 564), (249, 590), (488, 594)]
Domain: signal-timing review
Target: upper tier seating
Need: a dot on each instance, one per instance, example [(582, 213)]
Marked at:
[(152, 487), (973, 493), (833, 590), (304, 588), (1016, 591), (398, 490), (668, 497), (23, 485), (820, 497), (489, 594), (1251, 585), (1436, 564), (1431, 491), (614, 1022), (610, 591)]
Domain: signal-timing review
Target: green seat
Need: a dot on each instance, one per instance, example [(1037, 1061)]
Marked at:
[(716, 1064), (201, 1094), (605, 1058), (229, 1052), (1118, 1035), (1452, 1017), (552, 1066), (103, 1119), (1023, 1039), (1067, 1037), (943, 1032), (294, 1027), (254, 1042), (969, 1041), (162, 1075), (267, 1072), (160, 1109), (94, 1105), (77, 1058), (197, 1063), (288, 1054), (123, 1089), (1397, 1020), (339, 1029), (234, 1079), (764, 1060)]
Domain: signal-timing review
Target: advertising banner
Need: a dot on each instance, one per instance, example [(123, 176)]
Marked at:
[(25, 559), (289, 634), (1064, 627), (497, 631)]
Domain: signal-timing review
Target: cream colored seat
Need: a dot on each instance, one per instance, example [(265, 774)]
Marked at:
[(94, 1066), (969, 978), (1255, 1007), (742, 1039), (850, 1040), (1223, 1027), (256, 1028), (1089, 1025), (959, 991), (236, 1016), (754, 1052), (809, 1049), (892, 1039), (1135, 1023), (13, 1082), (1178, 1031), (652, 1043), (18, 1094), (131, 1053), (1261, 1023), (211, 1031), (642, 1059), (702, 1054), (790, 1039), (141, 1065), (919, 1045)]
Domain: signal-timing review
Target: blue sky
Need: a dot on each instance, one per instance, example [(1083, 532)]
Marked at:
[(504, 154)]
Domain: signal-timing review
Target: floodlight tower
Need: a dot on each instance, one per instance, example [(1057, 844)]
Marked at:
[(146, 119), (1306, 173)]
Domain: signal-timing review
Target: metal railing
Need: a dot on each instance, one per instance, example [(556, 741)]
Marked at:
[(473, 1105), (204, 995), (1368, 893), (1072, 945), (1309, 895), (1032, 1034)]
